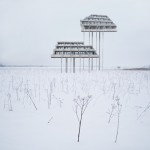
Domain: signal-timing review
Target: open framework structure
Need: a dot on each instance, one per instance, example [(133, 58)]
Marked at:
[(93, 24)]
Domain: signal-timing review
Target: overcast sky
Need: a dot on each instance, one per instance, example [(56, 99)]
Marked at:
[(29, 29)]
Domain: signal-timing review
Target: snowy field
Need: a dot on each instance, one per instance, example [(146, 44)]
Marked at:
[(39, 107)]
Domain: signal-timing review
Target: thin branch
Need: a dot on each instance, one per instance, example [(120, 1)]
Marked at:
[(146, 108)]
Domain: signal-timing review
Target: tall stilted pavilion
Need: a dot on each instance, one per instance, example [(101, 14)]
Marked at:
[(73, 51), (97, 24), (78, 50)]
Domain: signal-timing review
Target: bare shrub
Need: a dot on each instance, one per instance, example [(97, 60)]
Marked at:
[(80, 105)]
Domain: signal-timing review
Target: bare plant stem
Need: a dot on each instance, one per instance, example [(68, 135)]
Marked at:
[(49, 98), (147, 107), (111, 114), (50, 120), (80, 122), (117, 129), (80, 107), (114, 92), (118, 117), (31, 99)]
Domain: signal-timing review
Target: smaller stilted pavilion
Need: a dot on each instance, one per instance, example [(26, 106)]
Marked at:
[(73, 50)]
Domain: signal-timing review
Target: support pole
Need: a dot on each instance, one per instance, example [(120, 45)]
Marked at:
[(89, 52), (80, 64), (92, 38), (61, 64), (99, 50), (89, 38), (83, 63), (83, 43), (70, 64), (92, 58), (83, 37), (66, 65), (102, 50), (96, 50), (73, 65), (89, 64)]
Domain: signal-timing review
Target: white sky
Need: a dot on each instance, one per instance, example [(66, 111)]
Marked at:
[(29, 29)]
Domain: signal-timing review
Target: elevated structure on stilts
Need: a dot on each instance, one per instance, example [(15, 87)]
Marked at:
[(97, 24), (73, 50), (93, 24)]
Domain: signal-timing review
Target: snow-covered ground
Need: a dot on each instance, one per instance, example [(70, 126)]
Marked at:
[(37, 110)]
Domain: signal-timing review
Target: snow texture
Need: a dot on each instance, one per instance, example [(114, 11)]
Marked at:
[(36, 110)]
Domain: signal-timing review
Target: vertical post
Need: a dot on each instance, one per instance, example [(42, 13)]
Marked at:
[(92, 58), (89, 64), (61, 64), (92, 38), (80, 64), (89, 52), (89, 38), (73, 65), (96, 50), (70, 59), (83, 43), (102, 49), (66, 65), (70, 64), (99, 50), (83, 63), (83, 37)]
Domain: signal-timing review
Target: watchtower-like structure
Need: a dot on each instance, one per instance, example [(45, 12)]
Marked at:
[(73, 51), (97, 24)]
